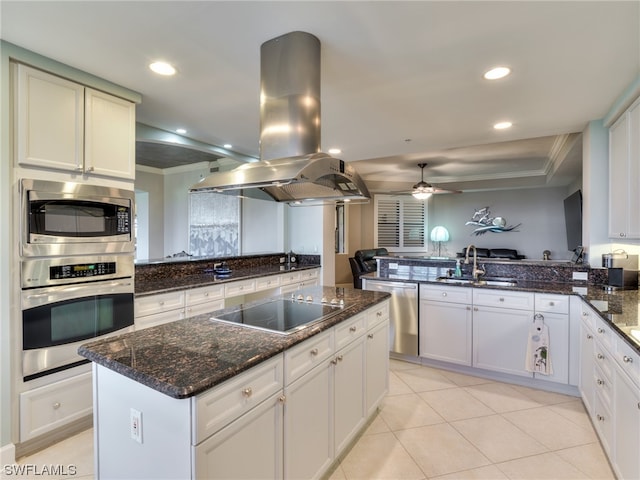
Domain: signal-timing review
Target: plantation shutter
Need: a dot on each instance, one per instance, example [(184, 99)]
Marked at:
[(400, 222)]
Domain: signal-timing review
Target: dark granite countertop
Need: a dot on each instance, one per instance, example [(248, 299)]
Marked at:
[(620, 308), (187, 357), (206, 276)]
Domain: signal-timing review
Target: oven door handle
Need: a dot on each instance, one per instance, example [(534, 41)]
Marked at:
[(42, 296)]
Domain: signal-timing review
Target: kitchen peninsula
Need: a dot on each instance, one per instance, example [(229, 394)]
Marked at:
[(203, 398)]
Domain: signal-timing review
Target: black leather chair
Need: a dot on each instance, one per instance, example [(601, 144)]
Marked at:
[(363, 261)]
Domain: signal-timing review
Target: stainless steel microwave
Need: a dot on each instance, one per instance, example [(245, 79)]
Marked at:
[(66, 218)]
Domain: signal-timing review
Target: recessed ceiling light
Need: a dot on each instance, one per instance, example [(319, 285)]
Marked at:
[(162, 68), (502, 125), (181, 131), (497, 72), (335, 151), (227, 145)]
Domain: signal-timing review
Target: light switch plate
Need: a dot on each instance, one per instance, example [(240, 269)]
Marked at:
[(580, 275)]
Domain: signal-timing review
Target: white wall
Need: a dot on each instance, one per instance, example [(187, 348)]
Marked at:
[(540, 211), (306, 229), (152, 183), (262, 226)]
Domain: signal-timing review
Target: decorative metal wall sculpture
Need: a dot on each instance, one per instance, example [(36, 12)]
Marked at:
[(486, 223)]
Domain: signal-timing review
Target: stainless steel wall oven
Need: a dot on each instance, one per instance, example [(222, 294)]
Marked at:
[(67, 301), (66, 218)]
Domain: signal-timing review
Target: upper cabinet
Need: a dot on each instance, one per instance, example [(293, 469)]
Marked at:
[(66, 126), (624, 175)]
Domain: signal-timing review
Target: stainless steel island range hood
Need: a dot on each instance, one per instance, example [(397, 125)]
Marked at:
[(292, 168)]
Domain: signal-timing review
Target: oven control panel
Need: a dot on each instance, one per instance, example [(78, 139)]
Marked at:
[(81, 270)]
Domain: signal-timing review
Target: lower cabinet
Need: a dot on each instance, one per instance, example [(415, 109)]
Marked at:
[(250, 447), (626, 426)]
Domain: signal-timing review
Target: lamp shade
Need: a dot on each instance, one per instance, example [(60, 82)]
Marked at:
[(439, 234)]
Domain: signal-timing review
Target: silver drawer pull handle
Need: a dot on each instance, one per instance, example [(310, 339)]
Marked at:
[(444, 294), (627, 359), (370, 335), (600, 382), (600, 356), (56, 405), (501, 299), (161, 303), (206, 294), (247, 392), (353, 329), (600, 417), (282, 399), (379, 314), (601, 330), (551, 304), (314, 351), (589, 336), (585, 314)]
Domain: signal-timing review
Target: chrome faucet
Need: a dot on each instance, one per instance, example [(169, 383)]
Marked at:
[(476, 271)]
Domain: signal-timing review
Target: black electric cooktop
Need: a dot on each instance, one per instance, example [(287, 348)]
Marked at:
[(282, 315)]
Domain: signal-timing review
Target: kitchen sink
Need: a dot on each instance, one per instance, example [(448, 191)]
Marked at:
[(488, 281)]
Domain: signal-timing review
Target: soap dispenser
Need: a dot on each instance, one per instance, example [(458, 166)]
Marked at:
[(458, 272)]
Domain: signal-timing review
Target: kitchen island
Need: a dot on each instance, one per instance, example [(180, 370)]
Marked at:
[(201, 398)]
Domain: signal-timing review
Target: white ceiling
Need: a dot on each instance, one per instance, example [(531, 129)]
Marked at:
[(401, 81)]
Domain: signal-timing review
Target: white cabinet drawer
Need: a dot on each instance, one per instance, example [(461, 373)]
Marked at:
[(349, 330), (201, 308), (239, 288), (603, 360), (552, 303), (604, 334), (231, 399), (628, 359), (158, 318), (501, 298), (604, 387), (159, 303), (308, 274), (377, 314), (303, 357), (204, 294), (49, 407), (441, 293), (291, 277), (264, 283)]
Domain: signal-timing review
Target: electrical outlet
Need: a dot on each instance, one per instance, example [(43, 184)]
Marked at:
[(580, 275), (136, 425)]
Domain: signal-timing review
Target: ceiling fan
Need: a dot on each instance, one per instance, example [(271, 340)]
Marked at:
[(423, 190)]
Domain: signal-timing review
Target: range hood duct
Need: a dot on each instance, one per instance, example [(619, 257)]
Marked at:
[(292, 168)]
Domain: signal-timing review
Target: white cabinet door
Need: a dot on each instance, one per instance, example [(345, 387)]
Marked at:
[(624, 175), (377, 369), (558, 325), (500, 339), (626, 427), (308, 424), (349, 381), (50, 120), (250, 447), (445, 331), (110, 129)]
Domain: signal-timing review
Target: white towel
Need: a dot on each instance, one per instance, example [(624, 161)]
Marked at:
[(538, 359)]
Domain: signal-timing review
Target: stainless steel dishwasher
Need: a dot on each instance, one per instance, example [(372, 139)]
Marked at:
[(403, 314)]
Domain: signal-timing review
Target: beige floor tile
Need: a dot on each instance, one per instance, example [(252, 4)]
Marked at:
[(75, 452), (397, 386), (395, 365), (377, 426), (550, 428), (440, 449), (498, 439), (590, 460), (424, 379), (463, 380), (548, 466), (575, 412), (543, 397), (408, 411), (490, 472), (455, 404), (380, 457), (501, 397)]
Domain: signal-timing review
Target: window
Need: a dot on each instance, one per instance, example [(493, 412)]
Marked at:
[(214, 224), (400, 222), (341, 228)]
